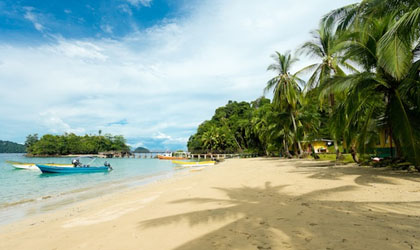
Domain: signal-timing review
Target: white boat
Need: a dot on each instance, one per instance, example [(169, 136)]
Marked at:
[(32, 166), (29, 166)]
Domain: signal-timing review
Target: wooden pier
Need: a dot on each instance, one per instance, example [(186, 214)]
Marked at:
[(221, 156), (151, 155)]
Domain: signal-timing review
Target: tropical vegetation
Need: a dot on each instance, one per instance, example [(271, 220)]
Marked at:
[(141, 150), (11, 147), (73, 144), (365, 83)]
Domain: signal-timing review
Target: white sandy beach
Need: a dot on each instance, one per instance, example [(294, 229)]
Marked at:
[(240, 204)]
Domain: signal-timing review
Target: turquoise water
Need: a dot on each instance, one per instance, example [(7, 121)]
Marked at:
[(18, 187)]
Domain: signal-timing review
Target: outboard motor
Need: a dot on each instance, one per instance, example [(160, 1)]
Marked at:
[(106, 164), (76, 163)]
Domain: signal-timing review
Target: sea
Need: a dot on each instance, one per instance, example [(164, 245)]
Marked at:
[(27, 192)]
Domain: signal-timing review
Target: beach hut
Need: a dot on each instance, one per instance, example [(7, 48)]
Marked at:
[(385, 146)]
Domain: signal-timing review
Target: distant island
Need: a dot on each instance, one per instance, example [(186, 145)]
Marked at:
[(71, 144), (11, 147), (141, 150)]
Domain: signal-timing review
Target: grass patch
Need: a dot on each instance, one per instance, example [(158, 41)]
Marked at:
[(331, 157)]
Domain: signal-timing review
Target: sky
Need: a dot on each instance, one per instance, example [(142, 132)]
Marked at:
[(150, 70)]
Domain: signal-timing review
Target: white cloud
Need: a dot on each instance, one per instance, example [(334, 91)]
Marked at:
[(29, 15), (56, 125), (164, 80), (79, 49), (137, 3), (107, 28), (125, 9)]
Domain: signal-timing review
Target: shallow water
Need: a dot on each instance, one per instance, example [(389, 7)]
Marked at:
[(26, 187)]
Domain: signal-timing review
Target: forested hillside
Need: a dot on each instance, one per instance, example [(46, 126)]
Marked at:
[(255, 127), (74, 144), (11, 147)]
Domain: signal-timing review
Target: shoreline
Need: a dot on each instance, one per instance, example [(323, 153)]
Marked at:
[(50, 203), (240, 204)]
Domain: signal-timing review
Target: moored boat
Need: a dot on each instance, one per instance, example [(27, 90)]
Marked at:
[(164, 157), (29, 166), (32, 166), (73, 169), (170, 156)]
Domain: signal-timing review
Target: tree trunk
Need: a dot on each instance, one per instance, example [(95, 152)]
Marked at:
[(337, 150), (354, 154), (398, 148), (297, 140), (286, 149), (332, 101)]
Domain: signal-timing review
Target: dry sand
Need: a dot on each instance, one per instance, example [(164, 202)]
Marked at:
[(240, 204)]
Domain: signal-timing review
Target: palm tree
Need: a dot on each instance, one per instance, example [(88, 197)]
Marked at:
[(260, 126), (286, 89), (385, 95), (401, 36), (326, 46), (212, 139)]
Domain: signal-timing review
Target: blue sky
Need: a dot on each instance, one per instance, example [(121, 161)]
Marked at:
[(151, 70)]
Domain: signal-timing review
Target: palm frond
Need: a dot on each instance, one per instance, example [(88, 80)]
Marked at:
[(403, 127), (395, 47), (343, 17)]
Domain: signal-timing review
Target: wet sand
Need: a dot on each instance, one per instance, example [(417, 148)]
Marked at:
[(240, 204)]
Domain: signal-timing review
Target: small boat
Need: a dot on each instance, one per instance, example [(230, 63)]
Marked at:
[(194, 164), (32, 166), (163, 157), (73, 169), (169, 156)]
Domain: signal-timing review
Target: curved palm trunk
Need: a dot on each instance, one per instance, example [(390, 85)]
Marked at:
[(354, 154), (237, 143), (295, 130), (336, 148), (286, 149)]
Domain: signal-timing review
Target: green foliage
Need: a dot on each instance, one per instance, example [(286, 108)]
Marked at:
[(257, 127), (11, 147), (383, 40), (365, 84), (141, 150), (230, 130), (74, 144)]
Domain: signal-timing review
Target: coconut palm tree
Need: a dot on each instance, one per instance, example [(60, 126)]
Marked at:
[(401, 36), (326, 46), (212, 139), (385, 95), (286, 89)]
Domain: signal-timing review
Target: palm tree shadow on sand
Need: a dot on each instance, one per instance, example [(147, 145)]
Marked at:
[(269, 218), (364, 176)]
